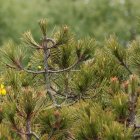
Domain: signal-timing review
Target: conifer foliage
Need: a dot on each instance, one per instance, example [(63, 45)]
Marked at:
[(61, 88)]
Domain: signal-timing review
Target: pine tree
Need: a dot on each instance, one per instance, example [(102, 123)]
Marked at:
[(48, 72), (67, 89)]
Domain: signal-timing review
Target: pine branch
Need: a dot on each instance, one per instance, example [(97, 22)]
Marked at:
[(136, 136), (51, 134), (35, 135), (132, 102), (66, 69), (126, 67), (122, 62), (47, 79), (26, 70), (43, 71), (136, 126), (10, 66), (52, 41), (28, 39), (31, 133), (34, 72), (28, 128)]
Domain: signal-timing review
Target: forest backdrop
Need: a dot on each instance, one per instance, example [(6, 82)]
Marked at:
[(93, 18)]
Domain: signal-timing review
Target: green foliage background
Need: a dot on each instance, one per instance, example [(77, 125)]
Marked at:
[(85, 17)]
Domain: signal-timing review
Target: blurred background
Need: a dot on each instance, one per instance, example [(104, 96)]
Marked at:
[(95, 18)]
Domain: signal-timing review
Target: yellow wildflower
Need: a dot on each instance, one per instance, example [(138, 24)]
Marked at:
[(39, 67), (2, 90)]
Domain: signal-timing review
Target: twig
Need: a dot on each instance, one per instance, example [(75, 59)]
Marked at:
[(26, 70), (34, 72), (66, 69), (43, 71), (51, 134), (31, 133), (136, 126), (28, 128), (136, 136)]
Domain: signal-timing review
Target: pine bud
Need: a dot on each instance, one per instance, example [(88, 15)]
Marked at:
[(113, 79), (65, 29), (57, 114), (125, 86), (114, 84)]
